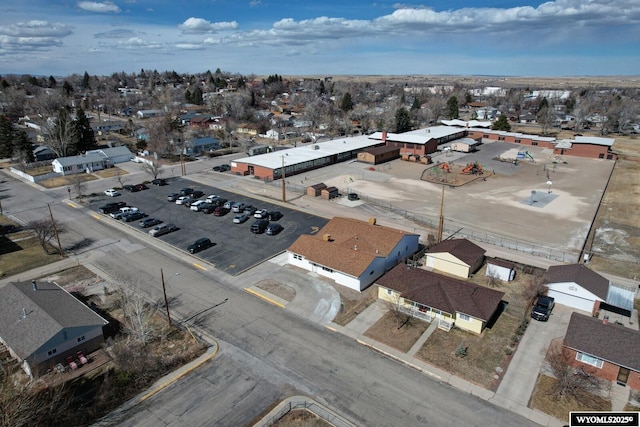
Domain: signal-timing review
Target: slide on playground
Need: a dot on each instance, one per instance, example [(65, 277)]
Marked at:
[(529, 156)]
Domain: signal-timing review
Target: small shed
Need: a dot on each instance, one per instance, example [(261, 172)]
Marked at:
[(500, 269), (329, 193), (378, 155), (315, 190)]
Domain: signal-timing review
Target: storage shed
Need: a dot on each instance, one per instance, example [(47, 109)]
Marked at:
[(315, 190), (329, 193), (377, 155), (500, 269)]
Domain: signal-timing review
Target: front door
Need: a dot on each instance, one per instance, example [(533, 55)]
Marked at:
[(623, 376)]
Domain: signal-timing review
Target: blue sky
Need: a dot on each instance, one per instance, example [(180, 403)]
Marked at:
[(305, 37)]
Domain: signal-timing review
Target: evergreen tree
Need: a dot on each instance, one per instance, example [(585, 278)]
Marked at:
[(502, 123), (22, 147), (52, 82), (86, 81), (321, 89), (188, 97), (403, 120), (67, 89), (196, 96), (452, 108), (468, 99), (86, 136), (6, 137), (543, 104), (347, 103), (416, 104)]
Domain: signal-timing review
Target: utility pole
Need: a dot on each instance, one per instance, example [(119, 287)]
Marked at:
[(166, 302), (183, 166), (284, 188), (55, 230), (441, 220)]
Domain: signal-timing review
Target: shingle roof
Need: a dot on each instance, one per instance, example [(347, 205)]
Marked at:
[(79, 160), (613, 343), (113, 151), (501, 263), (442, 292), (49, 309), (578, 273), (462, 249), (352, 247)]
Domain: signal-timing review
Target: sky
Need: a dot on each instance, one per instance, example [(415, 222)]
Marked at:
[(330, 37)]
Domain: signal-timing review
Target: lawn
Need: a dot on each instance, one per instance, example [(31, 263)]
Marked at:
[(392, 331), (22, 252), (69, 181), (545, 401), (353, 302)]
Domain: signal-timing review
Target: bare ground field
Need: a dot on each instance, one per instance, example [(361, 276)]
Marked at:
[(395, 332)]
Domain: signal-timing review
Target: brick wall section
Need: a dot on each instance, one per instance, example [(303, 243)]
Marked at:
[(608, 372)]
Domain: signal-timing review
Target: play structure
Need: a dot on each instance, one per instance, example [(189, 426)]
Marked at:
[(473, 168), (445, 167)]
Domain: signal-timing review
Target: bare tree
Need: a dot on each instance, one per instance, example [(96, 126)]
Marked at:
[(23, 406), (535, 286), (570, 382), (139, 316), (120, 177), (45, 231), (546, 118), (402, 317), (152, 168), (62, 136), (79, 185)]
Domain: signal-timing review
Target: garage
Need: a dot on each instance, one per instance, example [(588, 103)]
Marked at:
[(576, 286)]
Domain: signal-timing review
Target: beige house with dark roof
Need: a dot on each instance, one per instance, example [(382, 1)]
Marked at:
[(351, 252), (431, 296), (576, 286), (607, 350), (458, 257)]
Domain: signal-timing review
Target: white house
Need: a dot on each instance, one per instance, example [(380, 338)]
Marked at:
[(145, 114), (351, 252), (576, 286), (41, 324), (500, 269), (114, 155), (70, 165)]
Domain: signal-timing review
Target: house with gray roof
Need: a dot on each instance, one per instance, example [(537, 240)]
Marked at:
[(607, 350), (92, 160), (576, 286), (435, 297), (41, 324)]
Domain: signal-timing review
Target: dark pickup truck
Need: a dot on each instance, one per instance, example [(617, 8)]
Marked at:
[(542, 310), (112, 207)]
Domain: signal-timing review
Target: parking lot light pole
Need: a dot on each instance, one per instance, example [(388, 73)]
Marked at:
[(284, 188)]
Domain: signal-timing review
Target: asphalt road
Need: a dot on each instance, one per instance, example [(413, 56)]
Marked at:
[(266, 353)]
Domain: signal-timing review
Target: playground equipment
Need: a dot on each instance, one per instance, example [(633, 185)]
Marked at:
[(445, 167), (473, 168), (529, 156)]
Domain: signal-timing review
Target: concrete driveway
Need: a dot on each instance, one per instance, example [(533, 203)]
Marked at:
[(519, 381)]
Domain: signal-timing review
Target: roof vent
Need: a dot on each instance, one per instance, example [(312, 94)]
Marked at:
[(326, 237), (372, 220), (355, 247)]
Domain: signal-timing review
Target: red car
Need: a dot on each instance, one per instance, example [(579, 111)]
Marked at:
[(220, 211)]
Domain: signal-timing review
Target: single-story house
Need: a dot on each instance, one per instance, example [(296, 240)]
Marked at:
[(114, 155), (458, 257), (351, 252), (146, 114), (576, 286), (41, 324), (200, 145), (500, 269), (42, 153), (88, 162), (430, 296), (607, 350)]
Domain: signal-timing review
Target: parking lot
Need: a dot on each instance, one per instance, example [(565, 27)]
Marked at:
[(236, 247)]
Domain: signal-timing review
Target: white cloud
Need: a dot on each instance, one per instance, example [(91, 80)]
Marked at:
[(202, 26), (119, 33), (32, 35), (104, 7), (138, 43), (189, 46)]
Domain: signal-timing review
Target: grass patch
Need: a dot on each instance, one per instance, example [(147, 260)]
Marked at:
[(40, 170), (301, 418), (111, 172), (22, 252), (353, 302), (61, 181), (545, 401), (386, 331)]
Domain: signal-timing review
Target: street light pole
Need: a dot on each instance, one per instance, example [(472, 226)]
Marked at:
[(166, 302), (284, 188)]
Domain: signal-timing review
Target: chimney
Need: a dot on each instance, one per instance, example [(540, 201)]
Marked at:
[(326, 237), (33, 285), (384, 136), (372, 221)]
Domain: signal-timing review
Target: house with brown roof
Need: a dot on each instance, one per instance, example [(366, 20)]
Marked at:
[(608, 350), (576, 286), (458, 257), (431, 296), (351, 252)]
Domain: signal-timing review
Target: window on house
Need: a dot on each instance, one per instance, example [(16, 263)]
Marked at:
[(501, 138), (52, 352), (327, 269), (534, 142), (518, 141), (80, 339), (389, 292), (589, 360), (464, 317), (296, 256), (485, 136)]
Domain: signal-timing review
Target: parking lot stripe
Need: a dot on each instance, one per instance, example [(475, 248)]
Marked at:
[(199, 266), (95, 216), (259, 295), (72, 205)]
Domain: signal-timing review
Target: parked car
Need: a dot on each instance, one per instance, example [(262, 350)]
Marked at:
[(217, 168), (112, 207), (352, 196), (220, 211), (120, 213), (149, 222), (130, 188), (273, 229), (238, 207), (133, 216), (207, 208), (261, 214), (186, 191), (180, 200), (229, 204), (249, 210), (197, 194), (225, 168), (211, 197), (140, 187), (189, 201), (240, 218), (259, 226), (162, 229), (220, 201), (111, 192), (159, 181), (275, 215), (196, 206), (173, 197), (542, 310), (200, 245)]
